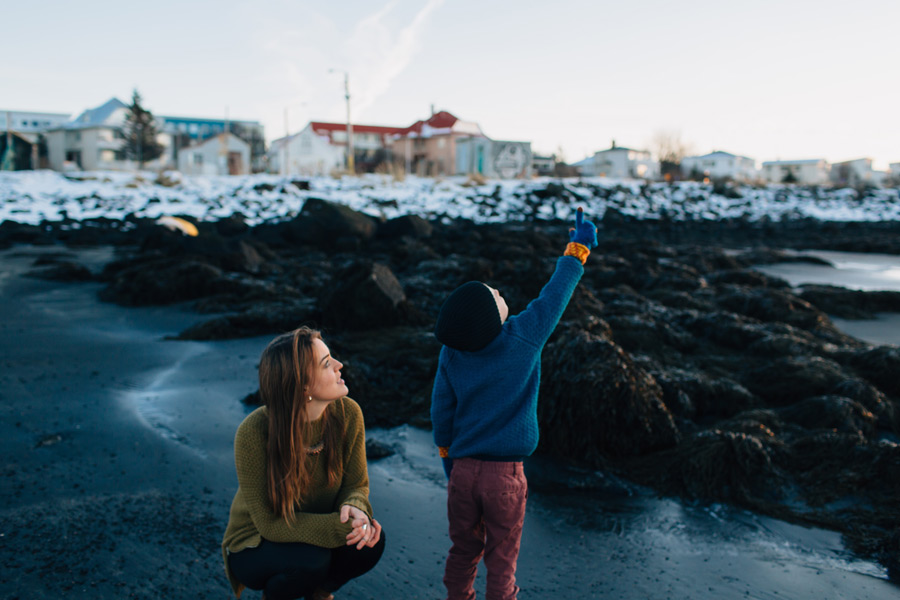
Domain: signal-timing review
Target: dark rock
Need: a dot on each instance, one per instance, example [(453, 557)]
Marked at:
[(165, 282), (389, 372), (779, 306), (232, 226), (746, 277), (699, 395), (851, 304), (596, 402), (880, 365), (785, 381), (737, 467), (834, 413), (406, 225), (376, 450), (365, 296), (323, 223), (271, 317), (61, 270)]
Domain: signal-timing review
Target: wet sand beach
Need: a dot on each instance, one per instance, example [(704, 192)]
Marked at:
[(117, 476)]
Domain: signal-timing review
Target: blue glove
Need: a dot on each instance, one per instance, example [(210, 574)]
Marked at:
[(448, 466), (584, 232)]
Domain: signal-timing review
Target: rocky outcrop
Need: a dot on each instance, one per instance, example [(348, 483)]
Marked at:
[(676, 364)]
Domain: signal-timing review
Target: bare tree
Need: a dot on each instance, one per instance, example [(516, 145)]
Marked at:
[(670, 149)]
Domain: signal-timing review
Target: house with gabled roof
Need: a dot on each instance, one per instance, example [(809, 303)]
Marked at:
[(428, 147), (224, 154), (621, 163), (812, 171), (321, 148), (91, 141), (720, 165)]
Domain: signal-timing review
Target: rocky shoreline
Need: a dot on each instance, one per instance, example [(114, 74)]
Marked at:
[(676, 364)]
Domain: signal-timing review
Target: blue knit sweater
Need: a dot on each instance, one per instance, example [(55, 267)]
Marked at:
[(484, 403)]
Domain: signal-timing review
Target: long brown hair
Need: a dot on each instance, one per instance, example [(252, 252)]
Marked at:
[(286, 367)]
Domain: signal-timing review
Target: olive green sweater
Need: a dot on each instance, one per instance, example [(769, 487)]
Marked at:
[(317, 518)]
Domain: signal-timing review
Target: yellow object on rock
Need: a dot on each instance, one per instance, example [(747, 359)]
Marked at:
[(178, 224)]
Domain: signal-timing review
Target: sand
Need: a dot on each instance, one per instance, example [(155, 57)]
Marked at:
[(117, 475)]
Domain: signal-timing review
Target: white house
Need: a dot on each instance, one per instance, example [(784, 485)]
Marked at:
[(721, 165), (855, 172), (320, 148), (810, 172), (93, 141), (893, 173), (621, 163), (493, 158), (224, 154), (30, 122)]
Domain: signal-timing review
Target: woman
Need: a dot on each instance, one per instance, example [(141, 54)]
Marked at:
[(301, 524)]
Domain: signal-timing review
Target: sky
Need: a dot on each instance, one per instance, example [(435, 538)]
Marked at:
[(768, 79)]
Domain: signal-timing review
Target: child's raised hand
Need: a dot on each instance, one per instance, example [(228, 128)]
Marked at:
[(584, 232)]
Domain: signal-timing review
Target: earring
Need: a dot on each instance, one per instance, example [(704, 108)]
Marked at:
[(310, 398)]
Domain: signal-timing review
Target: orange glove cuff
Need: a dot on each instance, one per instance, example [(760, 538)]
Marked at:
[(579, 251)]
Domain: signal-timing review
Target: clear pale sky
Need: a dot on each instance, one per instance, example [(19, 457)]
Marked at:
[(769, 79)]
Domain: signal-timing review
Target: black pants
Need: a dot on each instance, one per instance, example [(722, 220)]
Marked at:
[(293, 570)]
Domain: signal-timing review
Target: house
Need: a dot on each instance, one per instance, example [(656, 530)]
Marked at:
[(852, 173), (224, 154), (493, 158), (543, 166), (720, 165), (187, 131), (93, 141), (893, 174), (23, 131), (621, 163), (320, 148), (809, 172), (428, 148)]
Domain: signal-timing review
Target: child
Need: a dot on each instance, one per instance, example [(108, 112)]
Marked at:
[(484, 412)]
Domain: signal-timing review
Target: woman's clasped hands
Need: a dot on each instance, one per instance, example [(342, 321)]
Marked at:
[(365, 532)]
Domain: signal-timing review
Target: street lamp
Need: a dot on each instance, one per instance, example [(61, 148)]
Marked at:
[(350, 165)]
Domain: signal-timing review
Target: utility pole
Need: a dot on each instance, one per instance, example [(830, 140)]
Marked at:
[(350, 165)]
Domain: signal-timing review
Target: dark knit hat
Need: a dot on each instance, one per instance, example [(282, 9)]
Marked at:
[(469, 318)]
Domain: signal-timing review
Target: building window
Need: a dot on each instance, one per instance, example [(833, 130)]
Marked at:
[(198, 159), (441, 142)]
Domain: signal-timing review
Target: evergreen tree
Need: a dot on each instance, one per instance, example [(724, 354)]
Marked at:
[(140, 133)]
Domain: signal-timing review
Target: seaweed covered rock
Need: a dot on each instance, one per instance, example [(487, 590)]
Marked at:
[(878, 364), (833, 413), (275, 317), (731, 466), (365, 295), (851, 304), (331, 225), (700, 395), (596, 402), (168, 282)]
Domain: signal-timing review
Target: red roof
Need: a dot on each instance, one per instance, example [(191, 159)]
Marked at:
[(439, 120), (321, 127)]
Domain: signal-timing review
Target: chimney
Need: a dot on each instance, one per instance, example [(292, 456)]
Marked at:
[(432, 110), (614, 144)]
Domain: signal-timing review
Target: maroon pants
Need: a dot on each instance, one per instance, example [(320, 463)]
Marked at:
[(486, 509)]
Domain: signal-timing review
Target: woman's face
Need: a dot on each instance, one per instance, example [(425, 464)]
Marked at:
[(326, 384)]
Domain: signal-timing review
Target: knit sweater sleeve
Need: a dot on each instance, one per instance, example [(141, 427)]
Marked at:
[(443, 406), (542, 314), (355, 483), (324, 530)]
